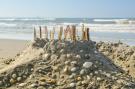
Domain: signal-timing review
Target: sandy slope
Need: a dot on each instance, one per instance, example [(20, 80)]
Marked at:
[(9, 48)]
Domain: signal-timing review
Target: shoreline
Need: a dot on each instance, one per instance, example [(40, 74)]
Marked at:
[(9, 48)]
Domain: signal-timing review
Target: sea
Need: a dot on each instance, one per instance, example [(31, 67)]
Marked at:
[(101, 29)]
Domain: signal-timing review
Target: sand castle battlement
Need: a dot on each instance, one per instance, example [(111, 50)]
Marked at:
[(68, 33)]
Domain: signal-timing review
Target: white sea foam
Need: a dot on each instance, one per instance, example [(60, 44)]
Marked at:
[(7, 25), (7, 19), (109, 20), (117, 21), (27, 19), (111, 27), (35, 19)]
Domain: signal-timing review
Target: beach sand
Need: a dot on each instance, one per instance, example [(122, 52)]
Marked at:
[(68, 65), (9, 48)]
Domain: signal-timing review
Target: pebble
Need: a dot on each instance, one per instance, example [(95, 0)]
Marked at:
[(65, 70), (78, 56), (82, 72), (53, 57), (74, 69), (45, 56), (42, 63), (98, 78), (67, 62), (91, 74), (14, 76), (72, 85), (33, 85), (12, 81), (72, 75), (41, 87), (22, 84), (19, 79), (68, 55), (32, 69), (96, 72), (24, 76), (42, 83), (95, 52), (79, 83), (62, 50), (87, 64), (88, 77), (79, 78), (55, 68), (84, 82), (81, 51), (120, 81), (108, 75), (31, 76), (74, 63), (114, 78)]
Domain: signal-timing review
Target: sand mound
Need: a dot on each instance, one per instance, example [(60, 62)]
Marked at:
[(63, 65), (121, 55)]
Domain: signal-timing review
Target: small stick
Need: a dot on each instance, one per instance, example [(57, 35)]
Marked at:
[(77, 34), (46, 32), (60, 34), (71, 33), (53, 32), (68, 34), (87, 34), (74, 33), (40, 31), (50, 35), (35, 33), (65, 34), (83, 32)]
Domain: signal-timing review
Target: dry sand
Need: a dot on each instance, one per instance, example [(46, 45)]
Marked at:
[(53, 64), (9, 48)]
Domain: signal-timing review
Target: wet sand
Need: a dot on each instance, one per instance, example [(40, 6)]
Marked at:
[(9, 48)]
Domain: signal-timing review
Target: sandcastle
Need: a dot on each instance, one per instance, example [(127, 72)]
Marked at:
[(64, 63)]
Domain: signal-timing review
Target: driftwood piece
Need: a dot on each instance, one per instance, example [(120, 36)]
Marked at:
[(60, 34), (35, 33), (73, 32), (83, 33), (40, 31), (52, 34), (87, 34), (68, 33), (65, 34), (46, 32)]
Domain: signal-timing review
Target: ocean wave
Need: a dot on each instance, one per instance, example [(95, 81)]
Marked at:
[(69, 23), (7, 25), (109, 20), (7, 19), (27, 19), (116, 21)]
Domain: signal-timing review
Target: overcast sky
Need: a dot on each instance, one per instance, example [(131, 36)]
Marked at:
[(68, 8)]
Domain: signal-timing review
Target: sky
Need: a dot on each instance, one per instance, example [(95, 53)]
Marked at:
[(68, 8)]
